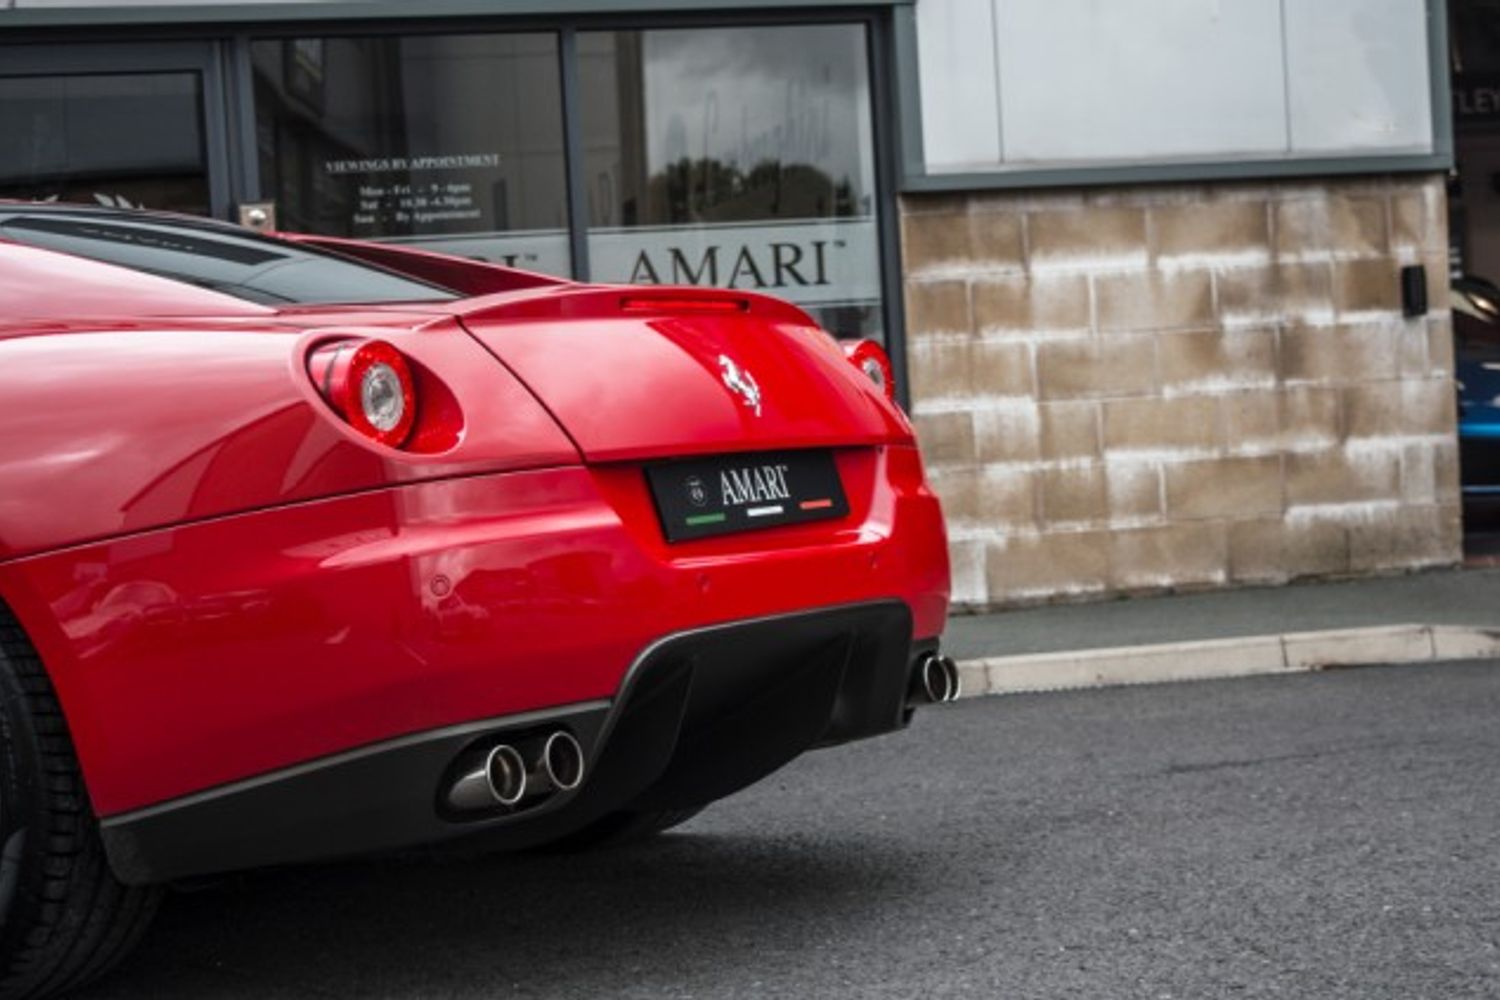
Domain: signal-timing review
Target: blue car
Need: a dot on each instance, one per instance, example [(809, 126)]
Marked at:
[(1476, 335)]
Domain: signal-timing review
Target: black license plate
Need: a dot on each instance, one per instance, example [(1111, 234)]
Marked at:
[(701, 497)]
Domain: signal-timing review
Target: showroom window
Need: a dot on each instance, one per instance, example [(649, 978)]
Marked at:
[(449, 142), (118, 139), (735, 156)]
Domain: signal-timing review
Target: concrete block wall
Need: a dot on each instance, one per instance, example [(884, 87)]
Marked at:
[(1182, 386)]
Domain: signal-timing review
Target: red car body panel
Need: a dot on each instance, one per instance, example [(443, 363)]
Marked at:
[(194, 656), (163, 425), (650, 383), (224, 579)]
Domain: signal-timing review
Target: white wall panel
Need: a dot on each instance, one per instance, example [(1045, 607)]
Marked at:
[(1009, 85), (1139, 79), (1358, 74), (960, 107)]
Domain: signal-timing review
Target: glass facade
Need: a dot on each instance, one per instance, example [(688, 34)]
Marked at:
[(739, 157), (729, 156), (123, 139), (733, 155), (450, 142)]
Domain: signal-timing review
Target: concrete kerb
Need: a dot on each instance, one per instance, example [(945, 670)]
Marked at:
[(1217, 658)]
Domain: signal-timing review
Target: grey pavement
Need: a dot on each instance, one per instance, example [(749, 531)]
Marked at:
[(1441, 597), (1331, 835)]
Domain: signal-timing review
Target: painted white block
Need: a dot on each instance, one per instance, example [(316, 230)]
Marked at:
[(1457, 642), (973, 679), (1358, 75), (1353, 647), (1156, 664), (1242, 656)]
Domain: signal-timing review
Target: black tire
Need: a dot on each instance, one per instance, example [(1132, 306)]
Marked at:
[(64, 918), (619, 828)]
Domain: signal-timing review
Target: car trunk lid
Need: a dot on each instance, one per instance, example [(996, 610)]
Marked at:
[(642, 373)]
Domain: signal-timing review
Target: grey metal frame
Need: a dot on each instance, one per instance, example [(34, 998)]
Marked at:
[(244, 173), (577, 188), (885, 121), (916, 178), (344, 10), (201, 57)]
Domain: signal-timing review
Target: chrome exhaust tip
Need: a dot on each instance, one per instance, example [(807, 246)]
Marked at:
[(955, 679), (505, 771), (492, 777), (935, 681), (562, 759)]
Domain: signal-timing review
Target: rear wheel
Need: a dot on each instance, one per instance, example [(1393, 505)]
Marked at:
[(64, 917)]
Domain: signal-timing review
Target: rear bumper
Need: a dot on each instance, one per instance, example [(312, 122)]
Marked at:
[(195, 658), (700, 715)]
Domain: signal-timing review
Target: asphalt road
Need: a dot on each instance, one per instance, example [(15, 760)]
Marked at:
[(1333, 835)]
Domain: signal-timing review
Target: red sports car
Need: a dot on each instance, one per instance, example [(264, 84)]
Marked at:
[(311, 547)]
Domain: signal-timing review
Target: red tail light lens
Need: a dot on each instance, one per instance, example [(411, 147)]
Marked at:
[(370, 384), (681, 304), (870, 358)]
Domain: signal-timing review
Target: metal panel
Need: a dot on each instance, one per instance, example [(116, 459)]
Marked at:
[(888, 43), (1439, 79), (244, 169), (578, 243), (1171, 172), (1368, 89), (1083, 80), (906, 92), (960, 95)]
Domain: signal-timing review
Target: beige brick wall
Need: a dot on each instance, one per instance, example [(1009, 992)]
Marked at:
[(1186, 386)]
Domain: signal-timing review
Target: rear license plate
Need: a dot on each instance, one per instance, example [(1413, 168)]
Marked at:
[(701, 497)]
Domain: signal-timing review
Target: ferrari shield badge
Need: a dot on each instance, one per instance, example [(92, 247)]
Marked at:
[(740, 382)]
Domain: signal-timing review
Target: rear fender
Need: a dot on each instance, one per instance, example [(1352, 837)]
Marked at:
[(123, 431)]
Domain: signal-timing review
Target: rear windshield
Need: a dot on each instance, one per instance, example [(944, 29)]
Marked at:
[(235, 262)]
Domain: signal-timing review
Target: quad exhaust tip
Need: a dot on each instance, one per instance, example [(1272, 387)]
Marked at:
[(502, 775), (936, 680), (562, 758), (488, 778), (505, 772)]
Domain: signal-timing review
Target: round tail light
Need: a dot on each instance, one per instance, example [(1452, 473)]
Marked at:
[(370, 384), (871, 359)]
